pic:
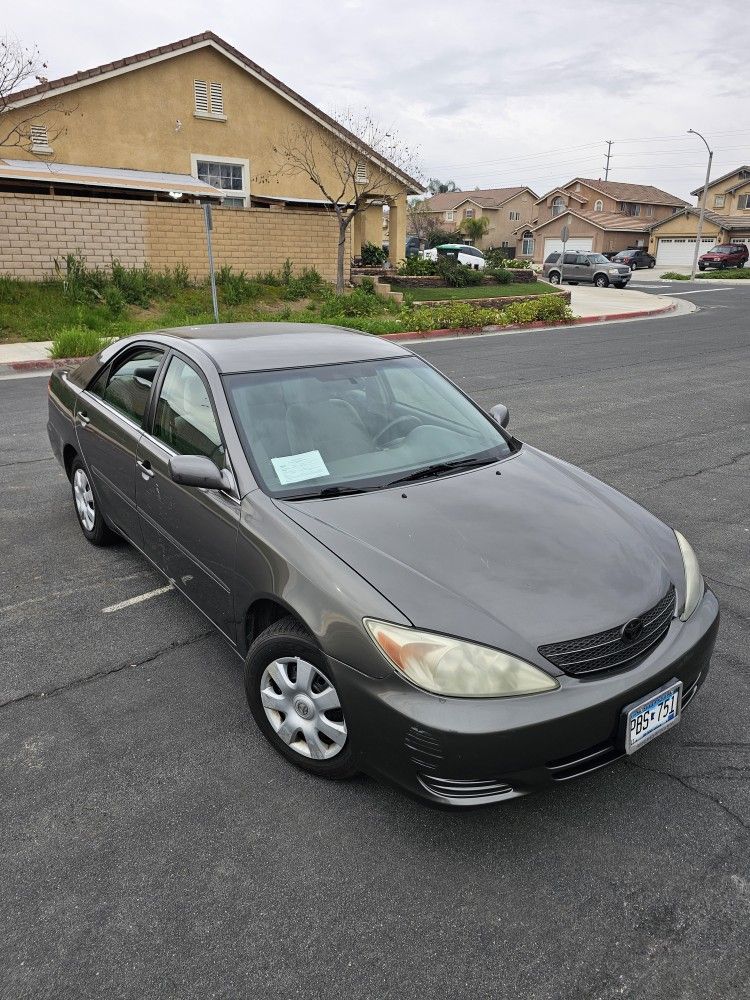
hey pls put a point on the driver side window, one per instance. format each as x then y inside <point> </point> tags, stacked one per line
<point>184,418</point>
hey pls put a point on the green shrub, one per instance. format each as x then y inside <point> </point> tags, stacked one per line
<point>498,274</point>
<point>439,236</point>
<point>306,284</point>
<point>77,342</point>
<point>457,275</point>
<point>236,288</point>
<point>731,272</point>
<point>516,264</point>
<point>675,276</point>
<point>114,301</point>
<point>373,255</point>
<point>367,285</point>
<point>356,303</point>
<point>10,289</point>
<point>420,266</point>
<point>455,315</point>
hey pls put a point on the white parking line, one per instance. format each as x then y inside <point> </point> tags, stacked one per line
<point>138,599</point>
<point>700,291</point>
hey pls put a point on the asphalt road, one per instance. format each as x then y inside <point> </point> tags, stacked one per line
<point>154,846</point>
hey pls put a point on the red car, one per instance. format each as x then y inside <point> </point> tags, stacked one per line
<point>724,255</point>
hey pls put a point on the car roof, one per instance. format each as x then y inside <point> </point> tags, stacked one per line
<point>244,347</point>
<point>455,246</point>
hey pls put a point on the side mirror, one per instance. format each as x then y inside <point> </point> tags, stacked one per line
<point>500,414</point>
<point>197,470</point>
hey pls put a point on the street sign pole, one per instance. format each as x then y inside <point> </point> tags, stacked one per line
<point>209,224</point>
<point>564,235</point>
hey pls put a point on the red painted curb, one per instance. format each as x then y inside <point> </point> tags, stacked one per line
<point>40,364</point>
<point>536,325</point>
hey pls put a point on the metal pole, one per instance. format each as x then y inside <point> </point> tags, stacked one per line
<point>609,154</point>
<point>208,222</point>
<point>699,233</point>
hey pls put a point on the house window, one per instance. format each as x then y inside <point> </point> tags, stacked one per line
<point>505,243</point>
<point>743,201</point>
<point>469,213</point>
<point>360,174</point>
<point>39,139</point>
<point>599,205</point>
<point>514,216</point>
<point>558,205</point>
<point>230,175</point>
<point>209,99</point>
<point>649,209</point>
<point>719,200</point>
<point>448,216</point>
<point>527,244</point>
<point>628,208</point>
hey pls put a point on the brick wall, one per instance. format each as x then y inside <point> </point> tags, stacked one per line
<point>35,230</point>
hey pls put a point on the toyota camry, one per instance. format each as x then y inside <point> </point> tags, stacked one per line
<point>415,592</point>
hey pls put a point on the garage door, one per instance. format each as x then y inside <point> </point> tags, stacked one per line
<point>578,244</point>
<point>679,251</point>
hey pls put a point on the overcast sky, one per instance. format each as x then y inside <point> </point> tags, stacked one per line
<point>492,93</point>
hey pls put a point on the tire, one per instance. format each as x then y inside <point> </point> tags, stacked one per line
<point>285,675</point>
<point>86,505</point>
<point>601,280</point>
<point>652,264</point>
<point>634,267</point>
<point>620,284</point>
<point>701,267</point>
<point>554,278</point>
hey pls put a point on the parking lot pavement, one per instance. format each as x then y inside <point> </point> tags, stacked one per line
<point>154,846</point>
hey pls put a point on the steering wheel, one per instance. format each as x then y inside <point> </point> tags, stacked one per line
<point>387,432</point>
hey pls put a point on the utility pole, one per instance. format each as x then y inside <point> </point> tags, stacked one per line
<point>699,233</point>
<point>609,155</point>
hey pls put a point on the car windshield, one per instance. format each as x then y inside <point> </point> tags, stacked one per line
<point>332,429</point>
<point>722,249</point>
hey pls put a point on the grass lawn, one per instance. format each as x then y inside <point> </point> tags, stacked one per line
<point>478,291</point>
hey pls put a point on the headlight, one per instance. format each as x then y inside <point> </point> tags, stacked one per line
<point>453,667</point>
<point>694,585</point>
<point>614,270</point>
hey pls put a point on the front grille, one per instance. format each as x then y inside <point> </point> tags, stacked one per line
<point>609,650</point>
<point>465,789</point>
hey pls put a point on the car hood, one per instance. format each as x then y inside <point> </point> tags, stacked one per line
<point>540,553</point>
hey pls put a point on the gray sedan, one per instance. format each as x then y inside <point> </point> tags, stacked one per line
<point>414,592</point>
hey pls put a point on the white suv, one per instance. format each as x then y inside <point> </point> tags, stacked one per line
<point>461,252</point>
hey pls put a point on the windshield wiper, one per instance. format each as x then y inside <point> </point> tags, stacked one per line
<point>441,468</point>
<point>327,492</point>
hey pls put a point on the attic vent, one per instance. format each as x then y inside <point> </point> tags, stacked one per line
<point>360,175</point>
<point>39,139</point>
<point>201,97</point>
<point>217,99</point>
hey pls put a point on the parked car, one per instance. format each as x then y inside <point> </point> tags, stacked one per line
<point>412,246</point>
<point>415,592</point>
<point>634,258</point>
<point>462,252</point>
<point>585,267</point>
<point>724,255</point>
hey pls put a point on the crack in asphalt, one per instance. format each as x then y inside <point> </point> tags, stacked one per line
<point>26,461</point>
<point>726,583</point>
<point>100,674</point>
<point>708,468</point>
<point>700,745</point>
<point>745,824</point>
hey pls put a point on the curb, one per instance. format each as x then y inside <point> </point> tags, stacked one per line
<point>536,325</point>
<point>18,367</point>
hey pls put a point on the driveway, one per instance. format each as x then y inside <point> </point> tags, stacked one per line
<point>154,846</point>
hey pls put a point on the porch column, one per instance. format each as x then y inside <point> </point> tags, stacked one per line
<point>357,227</point>
<point>397,228</point>
<point>373,225</point>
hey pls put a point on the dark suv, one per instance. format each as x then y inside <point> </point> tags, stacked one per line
<point>634,258</point>
<point>724,255</point>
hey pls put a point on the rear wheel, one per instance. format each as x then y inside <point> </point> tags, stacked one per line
<point>554,278</point>
<point>89,515</point>
<point>295,702</point>
<point>652,264</point>
<point>601,280</point>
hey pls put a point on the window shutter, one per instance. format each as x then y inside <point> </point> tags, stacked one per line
<point>201,97</point>
<point>217,99</point>
<point>361,172</point>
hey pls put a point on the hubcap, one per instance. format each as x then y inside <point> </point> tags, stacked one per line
<point>303,708</point>
<point>84,499</point>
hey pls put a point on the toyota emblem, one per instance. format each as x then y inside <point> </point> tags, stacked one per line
<point>631,630</point>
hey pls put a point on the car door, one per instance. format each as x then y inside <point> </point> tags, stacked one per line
<point>190,533</point>
<point>109,418</point>
<point>582,268</point>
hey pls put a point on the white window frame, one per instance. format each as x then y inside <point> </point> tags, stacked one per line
<point>558,205</point>
<point>234,160</point>
<point>527,246</point>
<point>448,215</point>
<point>468,213</point>
<point>39,139</point>
<point>743,202</point>
<point>720,200</point>
<point>210,93</point>
<point>649,209</point>
<point>598,205</point>
<point>514,216</point>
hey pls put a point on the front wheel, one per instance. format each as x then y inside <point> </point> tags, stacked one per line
<point>601,281</point>
<point>633,266</point>
<point>701,267</point>
<point>87,509</point>
<point>295,702</point>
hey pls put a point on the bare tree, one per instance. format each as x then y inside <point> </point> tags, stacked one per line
<point>349,168</point>
<point>436,186</point>
<point>18,65</point>
<point>422,221</point>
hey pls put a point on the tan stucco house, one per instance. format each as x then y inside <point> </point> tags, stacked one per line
<point>201,110</point>
<point>504,208</point>
<point>600,215</point>
<point>727,220</point>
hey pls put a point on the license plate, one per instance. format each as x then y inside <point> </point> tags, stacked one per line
<point>652,716</point>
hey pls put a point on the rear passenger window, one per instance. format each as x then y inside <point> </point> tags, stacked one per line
<point>184,417</point>
<point>126,383</point>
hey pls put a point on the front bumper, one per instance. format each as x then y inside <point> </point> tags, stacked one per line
<point>469,752</point>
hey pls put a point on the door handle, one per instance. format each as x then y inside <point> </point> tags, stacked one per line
<point>145,466</point>
<point>84,418</point>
